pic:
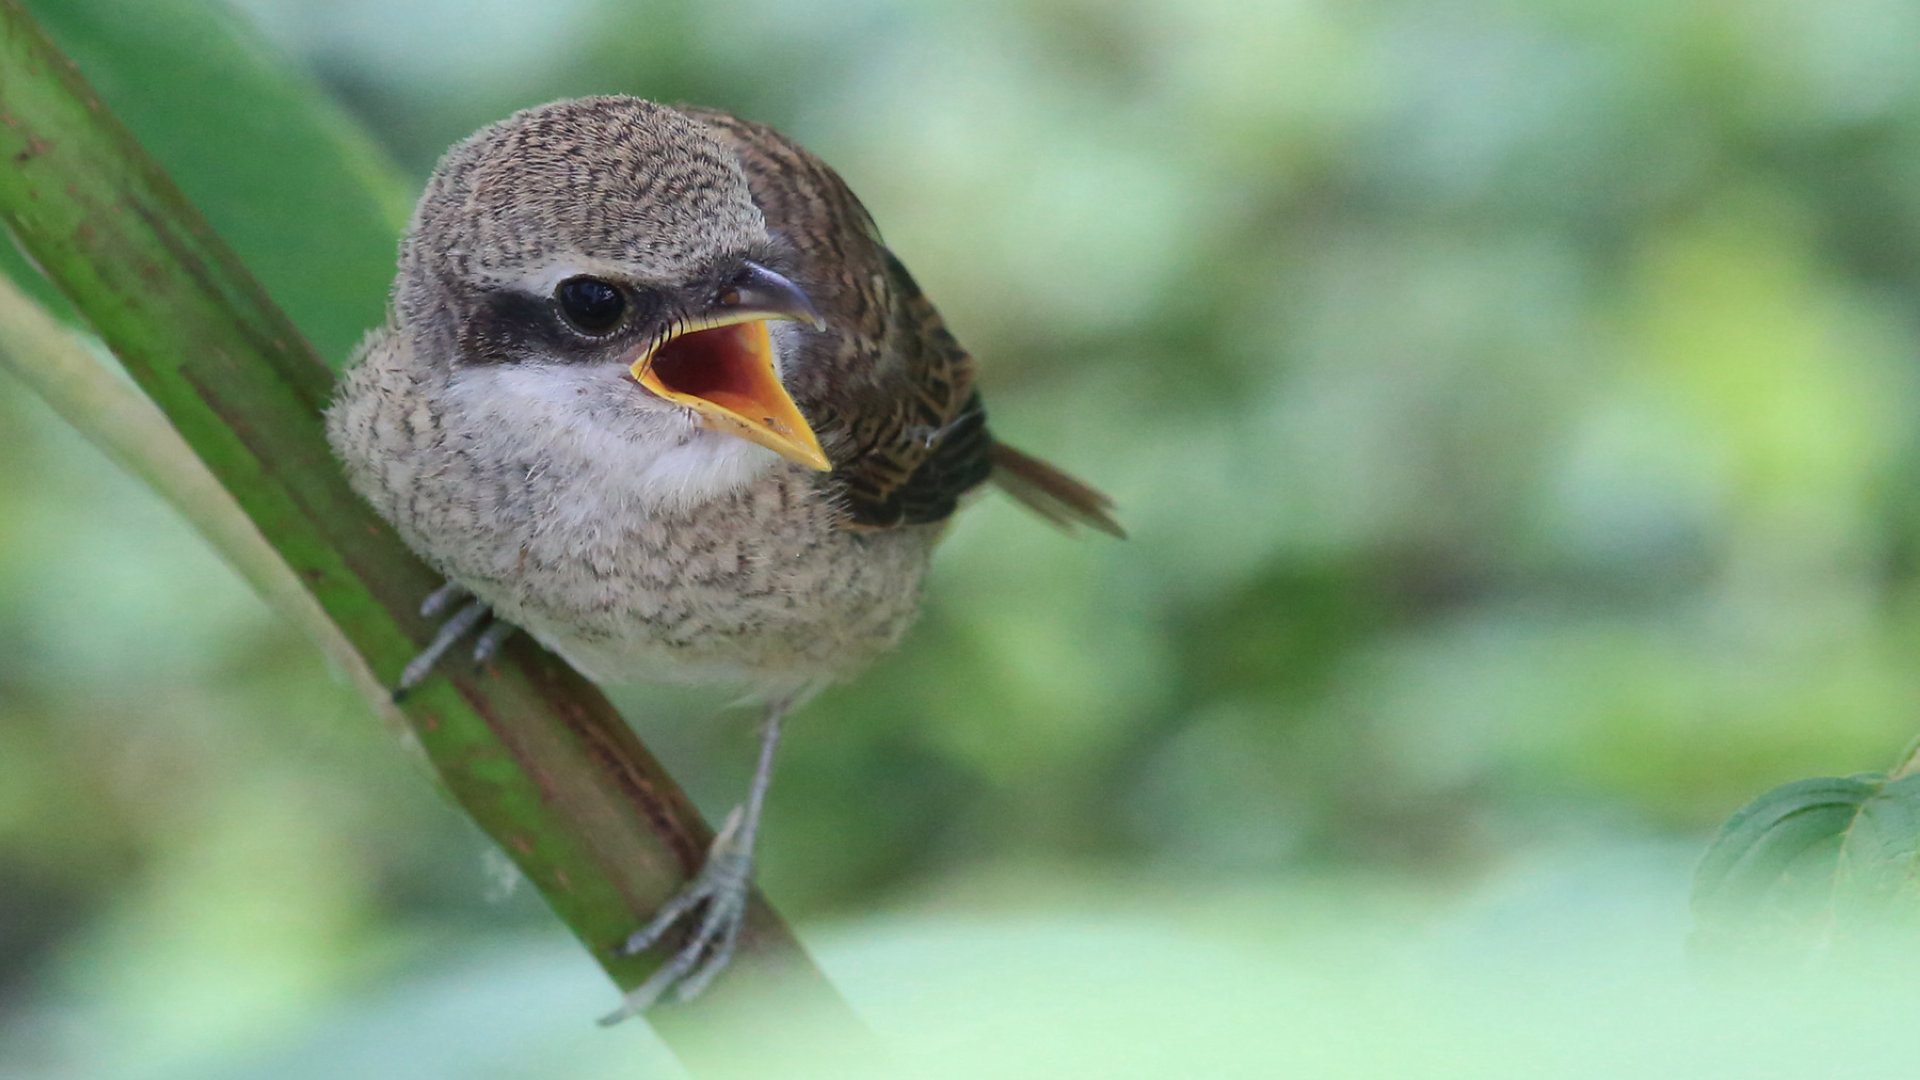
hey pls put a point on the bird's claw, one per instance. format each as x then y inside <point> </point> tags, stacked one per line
<point>490,640</point>
<point>458,625</point>
<point>440,599</point>
<point>719,893</point>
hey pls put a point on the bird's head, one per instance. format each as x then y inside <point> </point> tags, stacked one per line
<point>601,263</point>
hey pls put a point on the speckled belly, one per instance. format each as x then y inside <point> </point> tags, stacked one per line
<point>758,588</point>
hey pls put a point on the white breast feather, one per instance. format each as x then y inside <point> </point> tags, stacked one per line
<point>532,413</point>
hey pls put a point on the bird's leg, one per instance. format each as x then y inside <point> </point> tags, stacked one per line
<point>457,626</point>
<point>718,893</point>
<point>490,640</point>
<point>443,598</point>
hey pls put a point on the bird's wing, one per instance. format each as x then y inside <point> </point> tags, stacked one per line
<point>903,424</point>
<point>930,444</point>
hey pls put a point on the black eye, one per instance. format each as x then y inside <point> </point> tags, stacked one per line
<point>593,306</point>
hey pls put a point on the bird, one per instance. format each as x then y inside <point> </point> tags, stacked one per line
<point>652,389</point>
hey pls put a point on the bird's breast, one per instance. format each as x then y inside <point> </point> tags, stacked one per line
<point>755,587</point>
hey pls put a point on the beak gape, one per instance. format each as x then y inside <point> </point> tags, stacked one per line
<point>721,366</point>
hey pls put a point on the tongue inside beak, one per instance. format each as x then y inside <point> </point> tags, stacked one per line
<point>726,375</point>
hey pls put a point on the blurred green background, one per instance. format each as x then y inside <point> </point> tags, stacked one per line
<point>1511,404</point>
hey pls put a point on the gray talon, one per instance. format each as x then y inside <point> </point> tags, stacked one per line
<point>487,645</point>
<point>451,631</point>
<point>442,598</point>
<point>718,892</point>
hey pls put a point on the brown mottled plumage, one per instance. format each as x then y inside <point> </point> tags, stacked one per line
<point>914,429</point>
<point>583,406</point>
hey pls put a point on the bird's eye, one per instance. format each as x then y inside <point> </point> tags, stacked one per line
<point>593,306</point>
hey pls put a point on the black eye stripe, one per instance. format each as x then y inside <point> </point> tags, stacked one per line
<point>591,305</point>
<point>511,325</point>
<point>507,327</point>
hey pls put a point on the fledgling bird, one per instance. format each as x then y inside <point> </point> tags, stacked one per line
<point>651,388</point>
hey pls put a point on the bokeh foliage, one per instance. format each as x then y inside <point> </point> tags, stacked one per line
<point>1510,403</point>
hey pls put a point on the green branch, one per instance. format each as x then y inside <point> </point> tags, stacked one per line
<point>531,751</point>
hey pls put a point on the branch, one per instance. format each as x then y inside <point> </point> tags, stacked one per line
<point>531,751</point>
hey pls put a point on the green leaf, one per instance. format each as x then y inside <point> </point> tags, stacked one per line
<point>1810,869</point>
<point>300,193</point>
<point>1877,882</point>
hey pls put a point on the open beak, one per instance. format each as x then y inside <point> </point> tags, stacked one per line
<point>720,365</point>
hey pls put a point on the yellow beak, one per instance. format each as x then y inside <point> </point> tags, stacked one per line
<point>723,371</point>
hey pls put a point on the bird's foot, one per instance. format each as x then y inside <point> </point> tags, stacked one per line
<point>462,622</point>
<point>719,894</point>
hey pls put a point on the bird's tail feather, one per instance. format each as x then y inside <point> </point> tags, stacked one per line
<point>1051,493</point>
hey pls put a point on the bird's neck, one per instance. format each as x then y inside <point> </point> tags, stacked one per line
<point>531,425</point>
